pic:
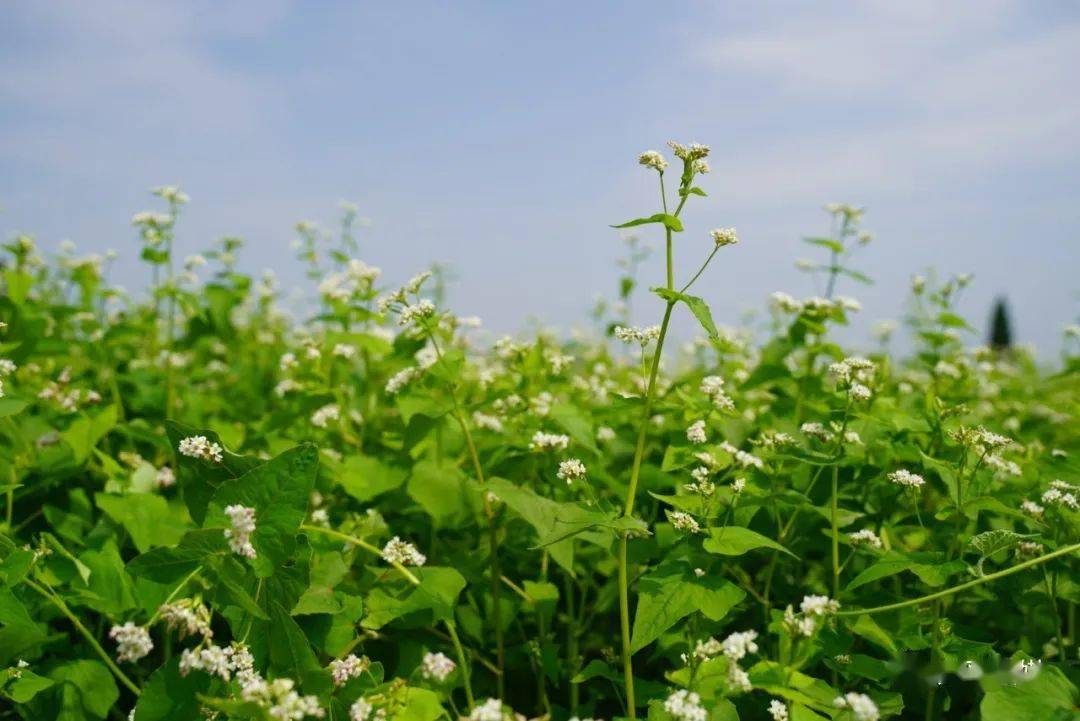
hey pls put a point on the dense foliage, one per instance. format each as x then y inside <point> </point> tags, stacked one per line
<point>212,509</point>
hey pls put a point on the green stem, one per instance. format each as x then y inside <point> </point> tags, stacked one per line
<point>63,608</point>
<point>834,509</point>
<point>964,586</point>
<point>466,669</point>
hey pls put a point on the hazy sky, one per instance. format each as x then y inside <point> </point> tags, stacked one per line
<point>502,138</point>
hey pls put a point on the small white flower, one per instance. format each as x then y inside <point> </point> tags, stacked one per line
<point>738,486</point>
<point>360,710</point>
<point>739,644</point>
<point>437,667</point>
<point>490,710</point>
<point>860,705</point>
<point>403,552</point>
<point>490,422</point>
<point>653,159</point>
<point>322,417</point>
<point>571,470</point>
<point>696,432</point>
<point>906,478</point>
<point>344,350</point>
<point>542,441</point>
<point>724,236</point>
<point>200,447</point>
<point>866,538</point>
<point>401,379</point>
<point>685,705</point>
<point>349,667</point>
<point>778,710</point>
<point>165,477</point>
<point>684,522</point>
<point>242,519</point>
<point>644,336</point>
<point>818,605</point>
<point>132,642</point>
<point>605,434</point>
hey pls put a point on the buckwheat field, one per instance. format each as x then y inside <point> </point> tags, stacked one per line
<point>370,512</point>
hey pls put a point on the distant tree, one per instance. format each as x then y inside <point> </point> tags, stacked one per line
<point>1000,326</point>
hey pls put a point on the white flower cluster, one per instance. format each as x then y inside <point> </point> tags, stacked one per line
<point>571,470</point>
<point>242,519</point>
<point>356,278</point>
<point>853,374</point>
<point>684,522</point>
<point>164,478</point>
<point>862,707</point>
<point>696,433</point>
<point>653,159</point>
<point>421,310</point>
<point>902,477</point>
<point>403,552</point>
<point>188,615</point>
<point>784,303</point>
<point>689,153</point>
<point>778,710</point>
<point>685,705</point>
<point>487,421</point>
<point>200,447</point>
<point>737,645</point>
<point>341,670</point>
<point>724,236</point>
<point>132,642</point>
<point>542,441</point>
<point>1032,509</point>
<point>219,661</point>
<point>490,710</point>
<point>361,711</point>
<point>742,458</point>
<point>436,667</point>
<point>813,610</point>
<point>322,417</point>
<point>281,700</point>
<point>979,438</point>
<point>713,387</point>
<point>644,336</point>
<point>401,379</point>
<point>1061,494</point>
<point>864,538</point>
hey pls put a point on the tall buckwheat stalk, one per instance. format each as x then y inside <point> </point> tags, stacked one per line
<point>694,164</point>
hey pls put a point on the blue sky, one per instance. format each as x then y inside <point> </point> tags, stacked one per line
<point>502,138</point>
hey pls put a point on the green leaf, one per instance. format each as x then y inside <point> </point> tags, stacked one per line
<point>697,306</point>
<point>86,431</point>
<point>672,592</point>
<point>146,516</point>
<point>26,686</point>
<point>365,477</point>
<point>279,491</point>
<point>438,591</point>
<point>1048,696</point>
<point>170,695</point>
<point>735,541</point>
<point>442,491</point>
<point>833,245</point>
<point>93,682</point>
<point>1001,539</point>
<point>169,565</point>
<point>421,705</point>
<point>290,651</point>
<point>669,221</point>
<point>576,424</point>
